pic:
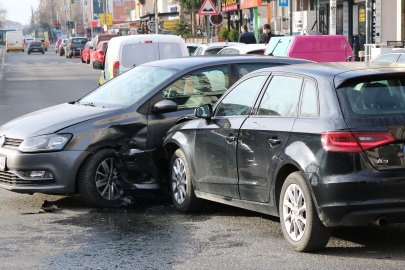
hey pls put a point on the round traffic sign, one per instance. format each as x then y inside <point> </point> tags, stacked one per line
<point>216,19</point>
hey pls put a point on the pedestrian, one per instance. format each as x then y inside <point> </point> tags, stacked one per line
<point>267,34</point>
<point>246,37</point>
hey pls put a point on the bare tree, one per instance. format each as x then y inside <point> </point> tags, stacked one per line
<point>3,14</point>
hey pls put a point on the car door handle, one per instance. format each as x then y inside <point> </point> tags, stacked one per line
<point>274,142</point>
<point>231,138</point>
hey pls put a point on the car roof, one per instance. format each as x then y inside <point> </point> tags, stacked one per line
<point>183,63</point>
<point>218,44</point>
<point>247,47</point>
<point>339,72</point>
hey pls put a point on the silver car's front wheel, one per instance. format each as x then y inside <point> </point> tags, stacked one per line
<point>294,212</point>
<point>106,180</point>
<point>179,183</point>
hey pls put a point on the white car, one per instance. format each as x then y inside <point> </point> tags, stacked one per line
<point>244,49</point>
<point>192,47</point>
<point>212,48</point>
<point>28,40</point>
<point>124,53</point>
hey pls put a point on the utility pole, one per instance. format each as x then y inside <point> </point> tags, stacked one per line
<point>92,17</point>
<point>291,13</point>
<point>368,22</point>
<point>156,18</point>
<point>105,17</point>
<point>66,26</point>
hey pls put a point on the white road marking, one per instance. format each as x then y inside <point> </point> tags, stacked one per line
<point>52,79</point>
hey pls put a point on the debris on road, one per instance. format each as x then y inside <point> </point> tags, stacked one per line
<point>47,207</point>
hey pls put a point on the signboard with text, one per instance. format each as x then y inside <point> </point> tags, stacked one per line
<point>109,19</point>
<point>250,3</point>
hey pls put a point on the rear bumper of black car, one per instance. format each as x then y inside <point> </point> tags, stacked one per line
<point>359,198</point>
<point>39,50</point>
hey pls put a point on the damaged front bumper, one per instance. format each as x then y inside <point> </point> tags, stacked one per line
<point>141,170</point>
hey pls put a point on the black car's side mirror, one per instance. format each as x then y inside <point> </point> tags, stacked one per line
<point>204,111</point>
<point>97,65</point>
<point>165,106</point>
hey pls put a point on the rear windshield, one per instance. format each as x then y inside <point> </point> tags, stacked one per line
<point>79,40</point>
<point>104,38</point>
<point>212,51</point>
<point>35,43</point>
<point>373,98</point>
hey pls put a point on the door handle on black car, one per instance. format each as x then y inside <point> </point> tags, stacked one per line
<point>274,142</point>
<point>231,138</point>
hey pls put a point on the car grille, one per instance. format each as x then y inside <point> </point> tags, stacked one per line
<point>9,178</point>
<point>12,143</point>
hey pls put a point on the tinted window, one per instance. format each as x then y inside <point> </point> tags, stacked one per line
<point>309,101</point>
<point>260,52</point>
<point>169,50</point>
<point>191,50</point>
<point>233,51</point>
<point>138,54</point>
<point>79,40</point>
<point>247,68</point>
<point>281,97</point>
<point>226,51</point>
<point>104,38</point>
<point>377,97</point>
<point>401,58</point>
<point>129,87</point>
<point>212,51</point>
<point>386,58</point>
<point>198,87</point>
<point>239,100</point>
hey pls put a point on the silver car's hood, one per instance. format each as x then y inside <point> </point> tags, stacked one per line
<point>50,120</point>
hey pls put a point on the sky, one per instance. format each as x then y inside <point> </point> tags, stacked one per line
<point>19,10</point>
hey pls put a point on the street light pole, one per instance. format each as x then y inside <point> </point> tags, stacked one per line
<point>66,27</point>
<point>105,17</point>
<point>291,11</point>
<point>156,18</point>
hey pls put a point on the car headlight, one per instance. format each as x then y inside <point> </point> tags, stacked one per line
<point>51,142</point>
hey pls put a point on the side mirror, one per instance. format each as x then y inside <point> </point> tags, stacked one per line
<point>165,106</point>
<point>204,111</point>
<point>97,65</point>
<point>91,48</point>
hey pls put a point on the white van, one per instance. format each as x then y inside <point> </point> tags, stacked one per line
<point>14,41</point>
<point>124,53</point>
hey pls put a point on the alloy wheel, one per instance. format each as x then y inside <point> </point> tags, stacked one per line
<point>294,212</point>
<point>179,181</point>
<point>106,180</point>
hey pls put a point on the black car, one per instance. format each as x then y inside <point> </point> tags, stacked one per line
<point>71,147</point>
<point>320,145</point>
<point>74,46</point>
<point>35,46</point>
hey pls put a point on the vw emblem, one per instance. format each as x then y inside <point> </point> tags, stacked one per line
<point>2,140</point>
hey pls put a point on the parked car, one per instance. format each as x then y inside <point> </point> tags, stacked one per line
<point>35,46</point>
<point>99,38</point>
<point>244,49</point>
<point>14,41</point>
<point>74,46</point>
<point>395,56</point>
<point>85,57</point>
<point>98,54</point>
<point>62,47</point>
<point>124,53</point>
<point>191,47</point>
<point>212,48</point>
<point>69,148</point>
<point>326,151</point>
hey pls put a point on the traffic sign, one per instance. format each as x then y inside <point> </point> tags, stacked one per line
<point>58,34</point>
<point>216,19</point>
<point>208,8</point>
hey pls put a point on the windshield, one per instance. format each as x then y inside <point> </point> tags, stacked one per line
<point>129,87</point>
<point>373,98</point>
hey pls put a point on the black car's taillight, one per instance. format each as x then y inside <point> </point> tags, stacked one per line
<point>355,142</point>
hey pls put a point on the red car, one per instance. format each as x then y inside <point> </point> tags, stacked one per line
<point>86,53</point>
<point>99,52</point>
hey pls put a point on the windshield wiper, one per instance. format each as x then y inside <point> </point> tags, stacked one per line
<point>90,104</point>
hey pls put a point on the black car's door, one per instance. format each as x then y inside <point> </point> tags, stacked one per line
<point>220,136</point>
<point>196,88</point>
<point>264,134</point>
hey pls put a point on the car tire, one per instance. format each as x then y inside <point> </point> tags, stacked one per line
<point>81,59</point>
<point>43,52</point>
<point>88,61</point>
<point>23,51</point>
<point>46,49</point>
<point>90,172</point>
<point>29,52</point>
<point>7,50</point>
<point>314,235</point>
<point>181,187</point>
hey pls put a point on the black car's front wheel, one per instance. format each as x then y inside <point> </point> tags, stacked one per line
<point>300,223</point>
<point>182,190</point>
<point>99,180</point>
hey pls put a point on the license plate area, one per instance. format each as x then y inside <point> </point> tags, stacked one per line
<point>3,163</point>
<point>35,50</point>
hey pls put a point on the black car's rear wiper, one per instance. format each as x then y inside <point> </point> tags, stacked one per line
<point>90,104</point>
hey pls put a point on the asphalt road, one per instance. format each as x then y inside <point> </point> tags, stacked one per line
<point>152,234</point>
